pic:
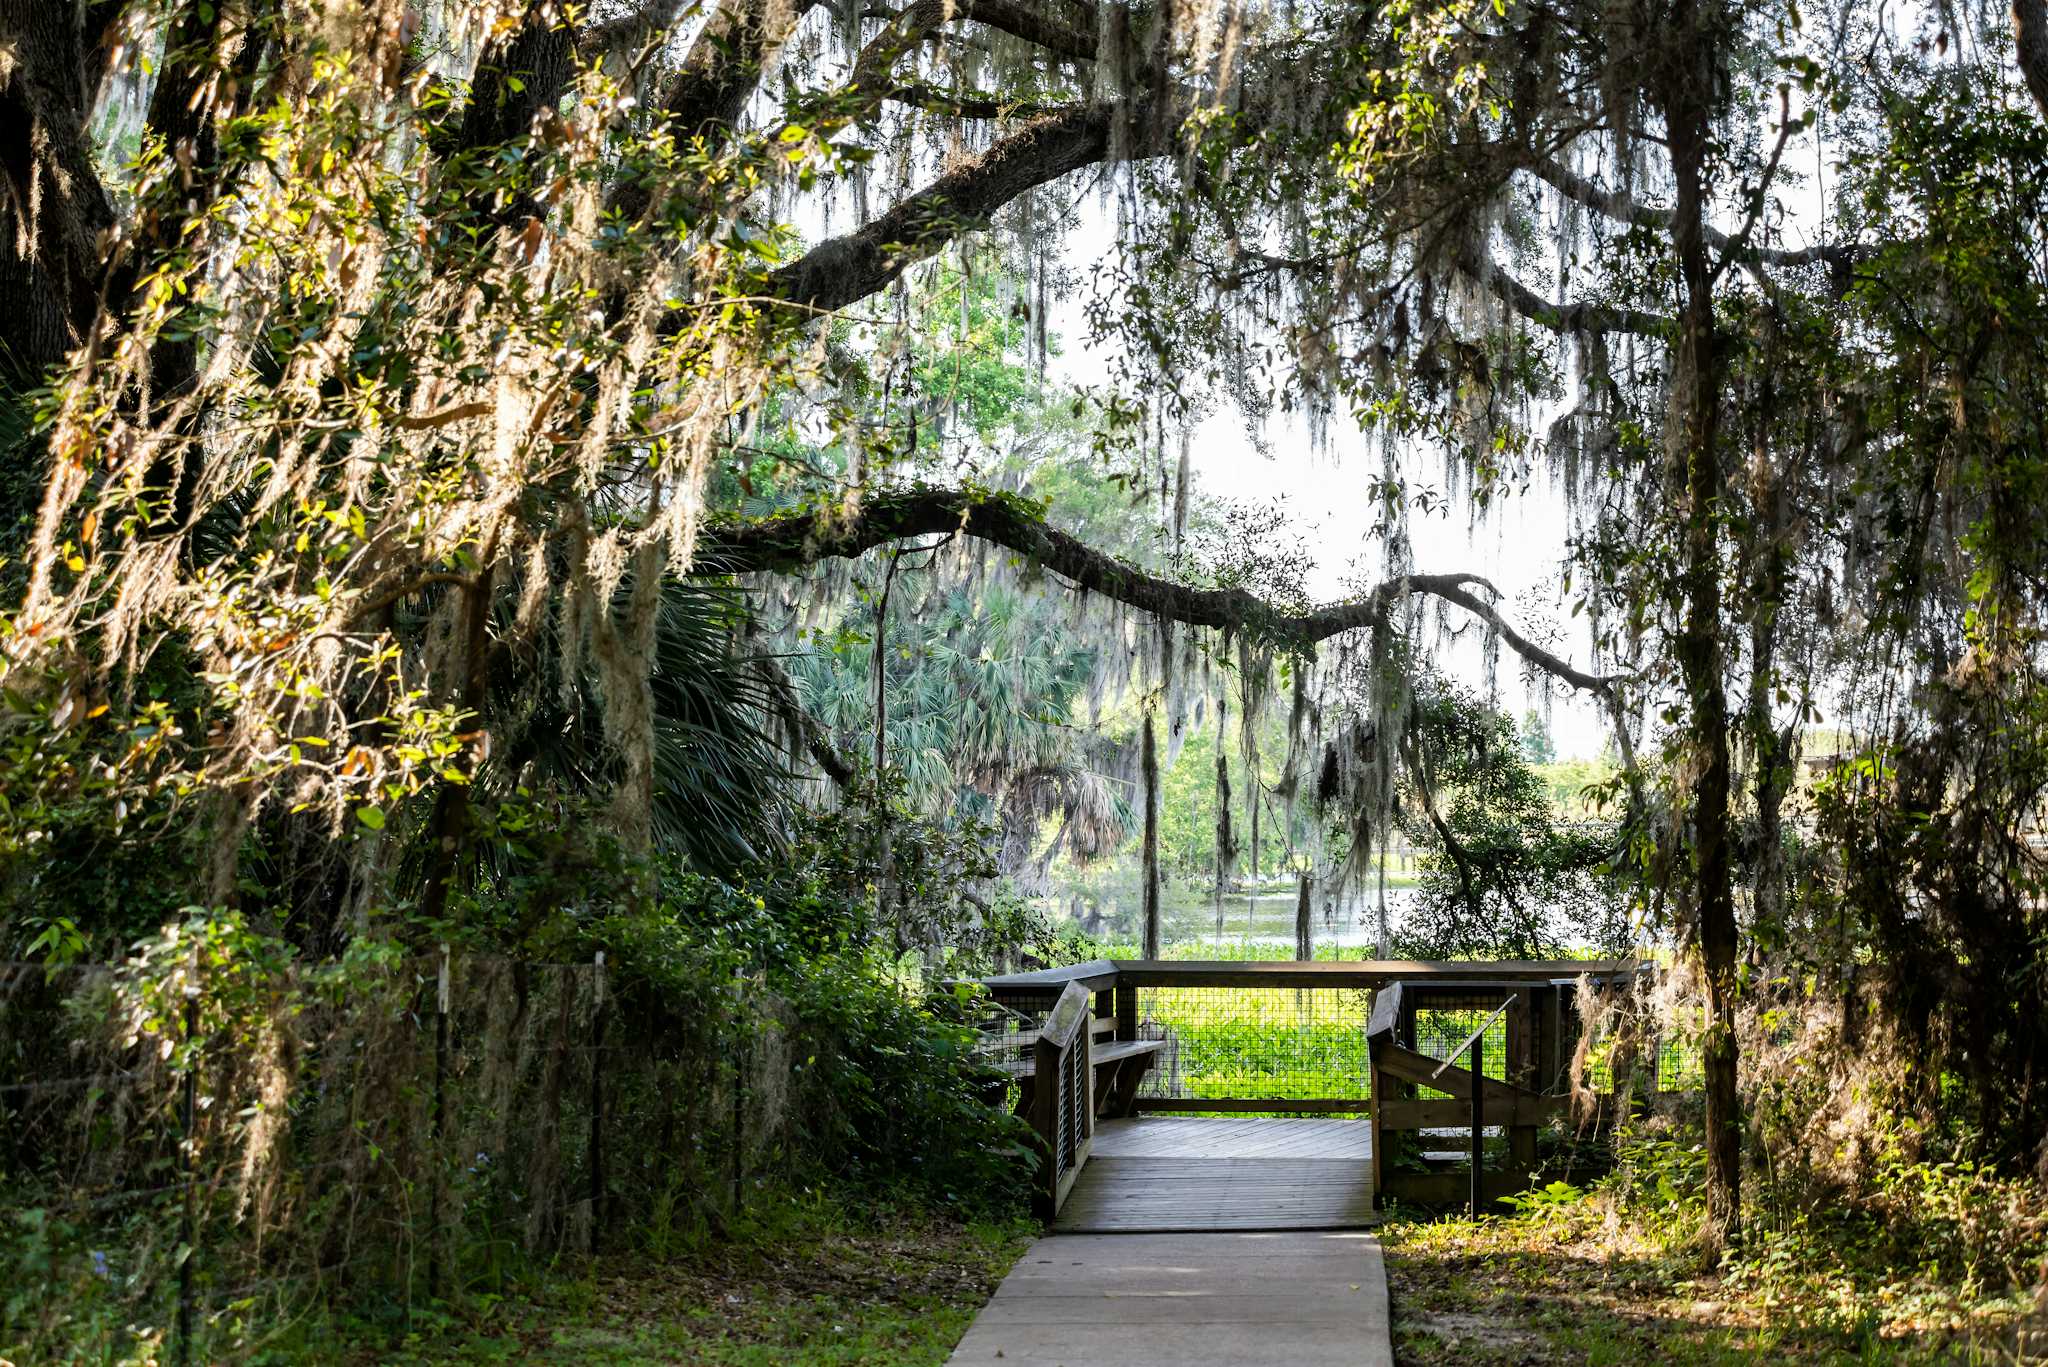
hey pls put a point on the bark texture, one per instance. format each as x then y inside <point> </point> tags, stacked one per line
<point>1683,87</point>
<point>54,213</point>
<point>1149,767</point>
<point>2030,37</point>
<point>793,541</point>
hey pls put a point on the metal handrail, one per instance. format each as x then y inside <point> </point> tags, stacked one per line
<point>1476,1043</point>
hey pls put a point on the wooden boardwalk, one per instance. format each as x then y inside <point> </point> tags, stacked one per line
<point>1155,1176</point>
<point>1288,1299</point>
<point>1174,1137</point>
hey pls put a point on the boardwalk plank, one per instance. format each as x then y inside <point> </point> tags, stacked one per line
<point>1139,1194</point>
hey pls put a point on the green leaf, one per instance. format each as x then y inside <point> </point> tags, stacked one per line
<point>373,817</point>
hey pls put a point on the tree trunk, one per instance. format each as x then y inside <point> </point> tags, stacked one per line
<point>1683,88</point>
<point>1251,894</point>
<point>53,209</point>
<point>1303,948</point>
<point>1772,753</point>
<point>2030,37</point>
<point>1149,763</point>
<point>885,872</point>
<point>451,827</point>
<point>1224,854</point>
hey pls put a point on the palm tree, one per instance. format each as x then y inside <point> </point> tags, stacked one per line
<point>982,696</point>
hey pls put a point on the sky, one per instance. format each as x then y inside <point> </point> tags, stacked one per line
<point>1519,547</point>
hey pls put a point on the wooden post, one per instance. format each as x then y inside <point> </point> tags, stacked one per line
<point>1521,1070</point>
<point>1126,1002</point>
<point>1559,1057</point>
<point>1387,1006</point>
<point>1478,1061</point>
<point>1066,1032</point>
<point>1045,1120</point>
<point>1404,1035</point>
<point>1377,1088</point>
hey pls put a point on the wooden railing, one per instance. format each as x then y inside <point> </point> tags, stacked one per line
<point>1517,1104</point>
<point>1064,1093</point>
<point>1063,1110</point>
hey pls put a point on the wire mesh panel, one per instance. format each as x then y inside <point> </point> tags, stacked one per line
<point>1008,1029</point>
<point>1679,1063</point>
<point>1257,1044</point>
<point>1446,1024</point>
<point>1679,1067</point>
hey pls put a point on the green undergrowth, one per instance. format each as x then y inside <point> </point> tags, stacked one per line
<point>1588,1279</point>
<point>799,1283</point>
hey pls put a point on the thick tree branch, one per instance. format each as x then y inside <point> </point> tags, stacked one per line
<point>1036,25</point>
<point>969,105</point>
<point>624,33</point>
<point>1566,318</point>
<point>843,270</point>
<point>736,46</point>
<point>1737,248</point>
<point>794,541</point>
<point>520,75</point>
<point>802,725</point>
<point>53,208</point>
<point>1624,208</point>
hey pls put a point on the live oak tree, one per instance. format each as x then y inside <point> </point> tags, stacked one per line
<point>405,341</point>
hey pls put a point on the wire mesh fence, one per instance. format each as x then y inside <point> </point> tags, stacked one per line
<point>177,1174</point>
<point>1679,1067</point>
<point>1440,1030</point>
<point>1299,1044</point>
<point>1247,1044</point>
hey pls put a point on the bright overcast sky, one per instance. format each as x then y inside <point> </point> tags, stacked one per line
<point>1519,547</point>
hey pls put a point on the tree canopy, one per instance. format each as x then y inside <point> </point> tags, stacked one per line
<point>395,390</point>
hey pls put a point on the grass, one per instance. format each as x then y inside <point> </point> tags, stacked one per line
<point>1583,1285</point>
<point>897,1289</point>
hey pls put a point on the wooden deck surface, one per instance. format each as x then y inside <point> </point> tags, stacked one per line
<point>1188,1300</point>
<point>1161,1137</point>
<point>1152,1175</point>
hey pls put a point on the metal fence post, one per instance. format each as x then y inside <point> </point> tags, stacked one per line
<point>597,1107</point>
<point>435,1157</point>
<point>190,1252</point>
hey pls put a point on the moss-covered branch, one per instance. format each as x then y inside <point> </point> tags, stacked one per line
<point>793,541</point>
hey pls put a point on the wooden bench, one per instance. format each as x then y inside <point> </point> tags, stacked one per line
<point>1118,1066</point>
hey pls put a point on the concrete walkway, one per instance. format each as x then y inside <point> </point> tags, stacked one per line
<point>1297,1297</point>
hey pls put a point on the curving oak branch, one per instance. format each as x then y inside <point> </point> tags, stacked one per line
<point>1625,208</point>
<point>846,269</point>
<point>1577,317</point>
<point>792,542</point>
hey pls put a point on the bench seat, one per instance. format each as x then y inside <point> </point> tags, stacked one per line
<point>1118,1065</point>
